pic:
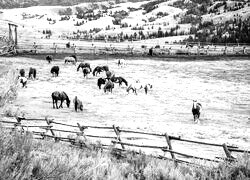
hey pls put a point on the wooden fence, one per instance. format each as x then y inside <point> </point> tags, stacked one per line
<point>78,137</point>
<point>135,48</point>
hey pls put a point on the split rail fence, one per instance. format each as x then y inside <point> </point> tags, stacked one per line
<point>127,48</point>
<point>78,137</point>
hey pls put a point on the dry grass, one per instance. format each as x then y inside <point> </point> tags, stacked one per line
<point>8,86</point>
<point>22,157</point>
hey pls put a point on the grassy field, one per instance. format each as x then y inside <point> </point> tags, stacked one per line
<point>22,157</point>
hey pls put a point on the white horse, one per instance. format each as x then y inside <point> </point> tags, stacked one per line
<point>72,59</point>
<point>138,85</point>
<point>122,62</point>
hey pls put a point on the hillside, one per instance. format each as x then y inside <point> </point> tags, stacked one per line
<point>187,20</point>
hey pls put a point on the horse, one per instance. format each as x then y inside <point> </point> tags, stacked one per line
<point>56,96</point>
<point>100,81</point>
<point>55,70</point>
<point>78,104</point>
<point>49,58</point>
<point>119,80</point>
<point>85,71</point>
<point>137,86</point>
<point>121,62</point>
<point>196,110</point>
<point>32,73</point>
<point>108,86</point>
<point>99,69</point>
<point>23,81</point>
<point>84,65</point>
<point>147,87</point>
<point>71,58</point>
<point>22,72</point>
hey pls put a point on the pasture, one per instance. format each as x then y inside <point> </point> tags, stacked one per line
<point>222,87</point>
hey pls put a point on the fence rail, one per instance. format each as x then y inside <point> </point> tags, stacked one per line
<point>126,48</point>
<point>115,140</point>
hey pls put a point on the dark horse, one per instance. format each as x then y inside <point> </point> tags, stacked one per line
<point>22,72</point>
<point>196,110</point>
<point>78,104</point>
<point>32,73</point>
<point>85,71</point>
<point>119,80</point>
<point>49,58</point>
<point>100,81</point>
<point>55,70</point>
<point>84,65</point>
<point>108,86</point>
<point>60,96</point>
<point>99,69</point>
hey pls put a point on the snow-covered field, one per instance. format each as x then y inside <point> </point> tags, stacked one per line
<point>221,86</point>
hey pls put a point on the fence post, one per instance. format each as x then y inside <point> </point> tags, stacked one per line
<point>19,119</point>
<point>227,152</point>
<point>81,128</point>
<point>117,132</point>
<point>170,147</point>
<point>49,122</point>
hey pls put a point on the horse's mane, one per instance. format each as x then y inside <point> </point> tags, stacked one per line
<point>67,97</point>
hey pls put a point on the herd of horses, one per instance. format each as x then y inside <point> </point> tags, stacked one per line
<point>107,83</point>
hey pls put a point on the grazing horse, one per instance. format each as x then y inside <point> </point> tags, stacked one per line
<point>121,62</point>
<point>22,72</point>
<point>85,71</point>
<point>196,110</point>
<point>100,81</point>
<point>60,96</point>
<point>137,86</point>
<point>72,59</point>
<point>54,71</point>
<point>99,69</point>
<point>147,87</point>
<point>108,86</point>
<point>119,80</point>
<point>84,65</point>
<point>77,104</point>
<point>49,58</point>
<point>32,73</point>
<point>23,81</point>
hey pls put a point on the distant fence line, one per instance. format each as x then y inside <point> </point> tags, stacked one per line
<point>117,139</point>
<point>137,48</point>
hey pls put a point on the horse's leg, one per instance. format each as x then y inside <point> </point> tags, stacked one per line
<point>53,101</point>
<point>61,104</point>
<point>146,89</point>
<point>135,92</point>
<point>56,104</point>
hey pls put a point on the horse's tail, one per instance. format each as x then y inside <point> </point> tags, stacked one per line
<point>34,74</point>
<point>94,72</point>
<point>78,67</point>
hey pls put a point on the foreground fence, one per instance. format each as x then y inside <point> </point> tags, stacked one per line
<point>77,135</point>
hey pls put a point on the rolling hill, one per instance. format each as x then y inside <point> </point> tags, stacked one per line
<point>174,20</point>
